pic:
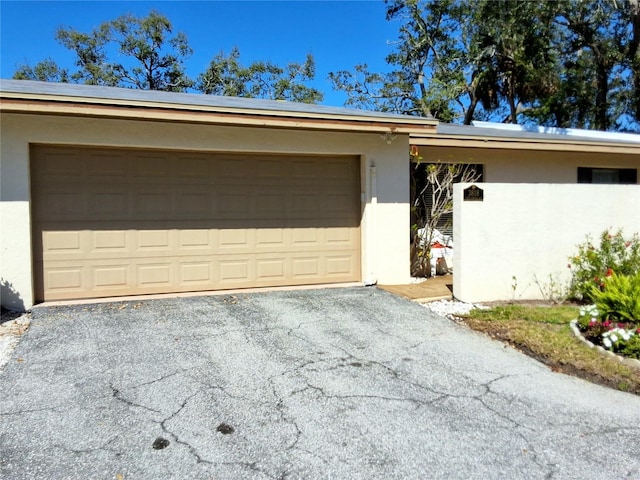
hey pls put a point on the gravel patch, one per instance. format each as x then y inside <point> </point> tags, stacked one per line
<point>452,309</point>
<point>10,333</point>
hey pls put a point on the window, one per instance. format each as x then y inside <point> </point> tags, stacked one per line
<point>608,175</point>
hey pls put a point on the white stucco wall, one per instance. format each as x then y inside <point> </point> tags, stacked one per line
<point>385,219</point>
<point>528,231</point>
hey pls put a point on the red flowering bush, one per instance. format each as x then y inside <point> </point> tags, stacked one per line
<point>593,264</point>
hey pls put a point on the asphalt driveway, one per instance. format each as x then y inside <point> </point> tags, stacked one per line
<point>337,383</point>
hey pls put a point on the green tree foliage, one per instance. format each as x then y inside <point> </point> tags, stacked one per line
<point>151,57</point>
<point>91,56</point>
<point>160,58</point>
<point>144,53</point>
<point>599,69</point>
<point>227,76</point>
<point>513,59</point>
<point>566,63</point>
<point>428,64</point>
<point>45,71</point>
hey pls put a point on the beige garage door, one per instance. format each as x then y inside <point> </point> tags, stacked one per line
<point>111,222</point>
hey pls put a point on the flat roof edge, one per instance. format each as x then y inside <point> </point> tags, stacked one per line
<point>427,138</point>
<point>28,91</point>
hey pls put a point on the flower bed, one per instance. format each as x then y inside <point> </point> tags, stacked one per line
<point>618,337</point>
<point>608,276</point>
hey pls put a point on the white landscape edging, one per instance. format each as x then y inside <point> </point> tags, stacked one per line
<point>631,362</point>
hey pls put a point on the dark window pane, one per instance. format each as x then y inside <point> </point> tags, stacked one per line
<point>608,175</point>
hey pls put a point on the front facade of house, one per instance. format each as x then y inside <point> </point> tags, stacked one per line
<point>109,192</point>
<point>105,197</point>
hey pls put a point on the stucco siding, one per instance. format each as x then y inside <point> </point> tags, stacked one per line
<point>516,242</point>
<point>530,166</point>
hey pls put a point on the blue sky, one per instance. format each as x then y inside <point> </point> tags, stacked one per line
<point>339,34</point>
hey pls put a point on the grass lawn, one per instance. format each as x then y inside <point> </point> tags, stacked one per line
<point>543,332</point>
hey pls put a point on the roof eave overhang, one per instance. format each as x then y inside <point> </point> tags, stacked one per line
<point>203,114</point>
<point>562,145</point>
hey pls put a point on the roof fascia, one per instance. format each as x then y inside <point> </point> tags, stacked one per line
<point>82,106</point>
<point>510,143</point>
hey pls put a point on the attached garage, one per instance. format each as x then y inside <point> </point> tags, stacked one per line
<point>111,221</point>
<point>109,192</point>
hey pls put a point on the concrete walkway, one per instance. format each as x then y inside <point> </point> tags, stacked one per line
<point>343,383</point>
<point>435,288</point>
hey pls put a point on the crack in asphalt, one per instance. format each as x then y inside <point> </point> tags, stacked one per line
<point>326,365</point>
<point>253,466</point>
<point>440,395</point>
<point>192,450</point>
<point>351,361</point>
<point>615,429</point>
<point>83,451</point>
<point>323,393</point>
<point>159,379</point>
<point>481,399</point>
<point>56,409</point>
<point>280,407</point>
<point>117,394</point>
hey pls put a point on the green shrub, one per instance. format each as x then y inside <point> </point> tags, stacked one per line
<point>630,348</point>
<point>592,264</point>
<point>618,298</point>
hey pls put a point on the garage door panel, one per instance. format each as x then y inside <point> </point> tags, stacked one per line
<point>108,201</point>
<point>271,205</point>
<point>196,273</point>
<point>305,205</point>
<point>234,270</point>
<point>190,240</point>
<point>268,171</point>
<point>234,203</point>
<point>66,278</point>
<point>111,222</point>
<point>340,237</point>
<point>308,169</point>
<point>307,237</point>
<point>157,274</point>
<point>153,242</point>
<point>270,238</point>
<point>193,201</point>
<point>338,171</point>
<point>111,276</point>
<point>339,265</point>
<point>63,241</point>
<point>271,269</point>
<point>233,170</point>
<point>191,167</point>
<point>306,267</point>
<point>60,165</point>
<point>332,206</point>
<point>58,203</point>
<point>110,241</point>
<point>108,166</point>
<point>151,168</point>
<point>153,202</point>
